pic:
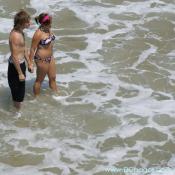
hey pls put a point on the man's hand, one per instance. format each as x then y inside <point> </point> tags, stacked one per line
<point>21,77</point>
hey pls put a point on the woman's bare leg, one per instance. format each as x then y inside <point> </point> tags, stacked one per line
<point>52,76</point>
<point>42,69</point>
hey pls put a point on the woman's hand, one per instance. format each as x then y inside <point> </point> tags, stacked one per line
<point>30,68</point>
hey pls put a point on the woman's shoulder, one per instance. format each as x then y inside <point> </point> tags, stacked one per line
<point>37,34</point>
<point>38,31</point>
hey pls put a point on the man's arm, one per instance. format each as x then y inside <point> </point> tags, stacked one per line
<point>16,40</point>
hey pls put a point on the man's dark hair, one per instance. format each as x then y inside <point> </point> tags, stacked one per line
<point>20,19</point>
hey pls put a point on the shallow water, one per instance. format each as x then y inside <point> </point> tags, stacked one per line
<point>115,71</point>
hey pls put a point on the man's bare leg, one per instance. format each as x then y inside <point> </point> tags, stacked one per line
<point>17,105</point>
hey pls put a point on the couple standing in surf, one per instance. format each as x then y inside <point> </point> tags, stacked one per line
<point>41,52</point>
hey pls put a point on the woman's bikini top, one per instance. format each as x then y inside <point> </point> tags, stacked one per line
<point>47,41</point>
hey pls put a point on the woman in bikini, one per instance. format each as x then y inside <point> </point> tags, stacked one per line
<point>42,52</point>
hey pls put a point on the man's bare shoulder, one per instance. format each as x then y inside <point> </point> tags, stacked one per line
<point>15,37</point>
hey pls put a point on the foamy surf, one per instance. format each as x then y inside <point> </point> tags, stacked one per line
<point>115,71</point>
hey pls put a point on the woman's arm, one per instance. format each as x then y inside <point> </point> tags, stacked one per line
<point>34,46</point>
<point>27,55</point>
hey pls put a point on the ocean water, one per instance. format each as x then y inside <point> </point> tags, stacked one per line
<point>115,71</point>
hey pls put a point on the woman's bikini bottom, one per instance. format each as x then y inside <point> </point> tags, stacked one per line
<point>47,59</point>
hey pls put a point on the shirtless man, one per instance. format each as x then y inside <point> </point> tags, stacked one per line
<point>19,53</point>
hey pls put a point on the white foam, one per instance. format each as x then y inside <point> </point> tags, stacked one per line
<point>6,25</point>
<point>144,55</point>
<point>3,71</point>
<point>8,170</point>
<point>171,54</point>
<point>41,7</point>
<point>96,71</point>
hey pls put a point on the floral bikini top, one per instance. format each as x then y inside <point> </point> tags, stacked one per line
<point>47,41</point>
